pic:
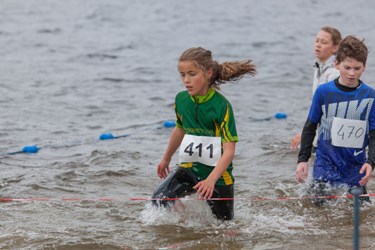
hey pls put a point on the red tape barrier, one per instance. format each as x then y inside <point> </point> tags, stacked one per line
<point>349,196</point>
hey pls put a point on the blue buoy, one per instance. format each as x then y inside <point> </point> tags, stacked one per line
<point>281,115</point>
<point>169,124</point>
<point>106,136</point>
<point>30,149</point>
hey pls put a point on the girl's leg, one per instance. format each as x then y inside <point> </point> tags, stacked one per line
<point>178,184</point>
<point>223,209</point>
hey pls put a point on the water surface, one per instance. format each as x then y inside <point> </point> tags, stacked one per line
<point>71,70</point>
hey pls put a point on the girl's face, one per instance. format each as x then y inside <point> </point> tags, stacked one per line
<point>196,81</point>
<point>350,71</point>
<point>324,47</point>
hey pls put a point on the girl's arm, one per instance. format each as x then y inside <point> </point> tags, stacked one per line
<point>174,143</point>
<point>206,187</point>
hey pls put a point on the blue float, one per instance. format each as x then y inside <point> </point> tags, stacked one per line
<point>106,136</point>
<point>32,149</point>
<point>280,115</point>
<point>169,124</point>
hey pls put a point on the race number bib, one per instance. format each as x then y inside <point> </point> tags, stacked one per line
<point>203,149</point>
<point>348,133</point>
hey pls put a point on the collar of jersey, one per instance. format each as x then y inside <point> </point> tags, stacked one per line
<point>203,98</point>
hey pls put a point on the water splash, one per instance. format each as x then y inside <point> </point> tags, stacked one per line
<point>187,213</point>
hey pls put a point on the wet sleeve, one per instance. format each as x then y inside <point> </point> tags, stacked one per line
<point>316,112</point>
<point>228,125</point>
<point>307,138</point>
<point>371,149</point>
<point>178,117</point>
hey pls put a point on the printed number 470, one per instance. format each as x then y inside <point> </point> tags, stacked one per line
<point>357,132</point>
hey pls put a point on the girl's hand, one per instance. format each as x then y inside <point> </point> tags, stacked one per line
<point>205,188</point>
<point>163,169</point>
<point>296,140</point>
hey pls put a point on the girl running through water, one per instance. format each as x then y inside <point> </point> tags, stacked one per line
<point>205,132</point>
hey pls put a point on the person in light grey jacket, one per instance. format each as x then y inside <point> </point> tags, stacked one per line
<point>324,72</point>
<point>326,44</point>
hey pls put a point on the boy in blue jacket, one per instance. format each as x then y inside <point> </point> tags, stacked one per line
<point>344,110</point>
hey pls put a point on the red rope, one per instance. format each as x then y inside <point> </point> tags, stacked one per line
<point>349,196</point>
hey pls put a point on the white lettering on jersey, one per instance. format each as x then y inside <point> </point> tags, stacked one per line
<point>348,109</point>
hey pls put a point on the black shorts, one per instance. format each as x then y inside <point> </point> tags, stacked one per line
<point>181,182</point>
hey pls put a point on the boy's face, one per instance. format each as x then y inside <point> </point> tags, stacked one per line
<point>350,71</point>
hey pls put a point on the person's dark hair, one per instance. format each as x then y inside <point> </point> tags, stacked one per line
<point>335,34</point>
<point>222,73</point>
<point>352,47</point>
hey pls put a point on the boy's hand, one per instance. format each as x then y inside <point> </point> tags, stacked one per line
<point>301,172</point>
<point>366,167</point>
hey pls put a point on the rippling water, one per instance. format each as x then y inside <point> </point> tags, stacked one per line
<point>72,70</point>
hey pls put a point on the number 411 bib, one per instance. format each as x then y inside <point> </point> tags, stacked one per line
<point>203,149</point>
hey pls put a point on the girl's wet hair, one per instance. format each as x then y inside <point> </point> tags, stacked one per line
<point>354,48</point>
<point>222,73</point>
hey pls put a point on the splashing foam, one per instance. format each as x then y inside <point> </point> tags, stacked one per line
<point>188,213</point>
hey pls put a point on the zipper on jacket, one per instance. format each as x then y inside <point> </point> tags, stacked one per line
<point>196,109</point>
<point>196,112</point>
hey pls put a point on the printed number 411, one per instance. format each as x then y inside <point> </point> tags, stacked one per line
<point>190,149</point>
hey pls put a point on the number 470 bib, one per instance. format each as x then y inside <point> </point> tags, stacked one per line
<point>203,149</point>
<point>348,133</point>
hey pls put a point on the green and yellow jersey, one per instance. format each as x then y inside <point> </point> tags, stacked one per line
<point>210,116</point>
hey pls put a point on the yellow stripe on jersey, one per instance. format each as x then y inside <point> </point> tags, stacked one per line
<point>227,179</point>
<point>186,165</point>
<point>224,127</point>
<point>217,129</point>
